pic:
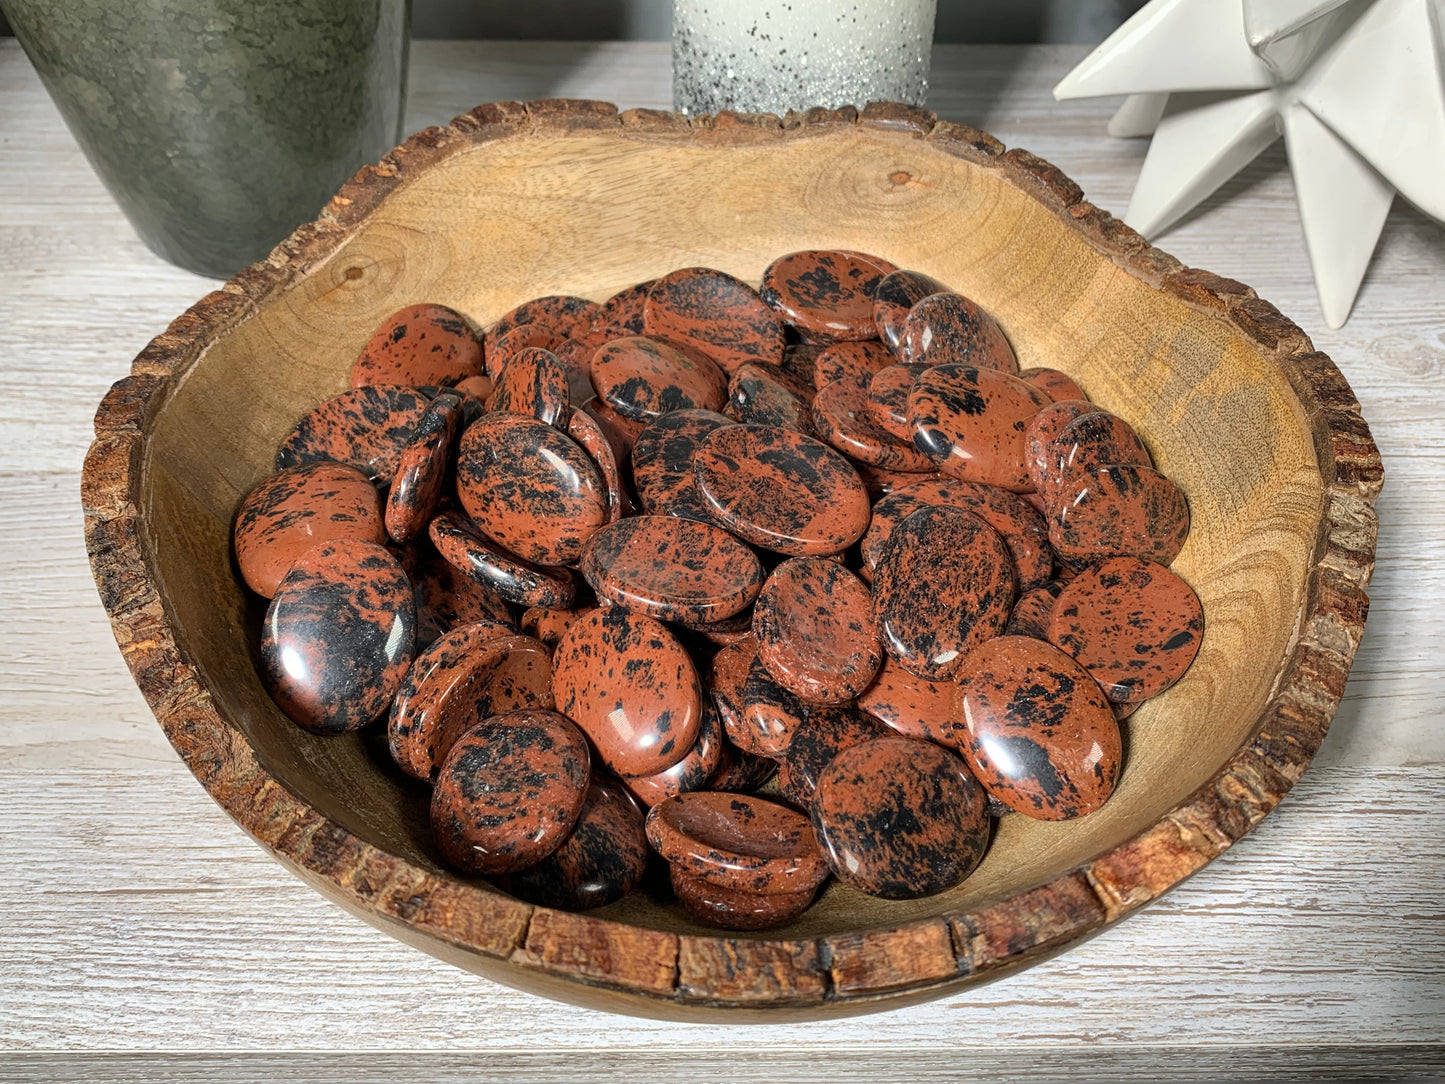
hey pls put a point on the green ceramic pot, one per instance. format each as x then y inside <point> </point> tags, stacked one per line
<point>221,125</point>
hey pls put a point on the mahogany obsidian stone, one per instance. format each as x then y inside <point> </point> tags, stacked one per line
<point>626,681</point>
<point>900,819</point>
<point>825,292</point>
<point>338,636</point>
<point>419,345</point>
<point>510,791</point>
<point>599,862</point>
<point>1036,730</point>
<point>295,509</point>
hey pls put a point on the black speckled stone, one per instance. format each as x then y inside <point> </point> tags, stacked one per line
<point>815,630</point>
<point>943,585</point>
<point>517,581</point>
<point>1133,624</point>
<point>900,819</point>
<point>1036,730</point>
<point>597,864</point>
<point>510,791</point>
<point>366,428</point>
<point>631,687</point>
<point>824,734</point>
<point>662,463</point>
<point>672,569</point>
<point>780,490</point>
<point>338,636</point>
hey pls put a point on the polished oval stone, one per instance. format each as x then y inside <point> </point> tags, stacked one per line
<point>900,819</point>
<point>1133,624</point>
<point>1117,511</point>
<point>298,508</point>
<point>971,422</point>
<point>815,630</point>
<point>643,379</point>
<point>338,636</point>
<point>420,344</point>
<point>737,842</point>
<point>422,472</point>
<point>910,705</point>
<point>1087,443</point>
<point>690,773</point>
<point>888,398</point>
<point>894,299</point>
<point>608,451</point>
<point>1047,424</point>
<point>843,417</point>
<point>1060,387</point>
<point>825,292</point>
<point>824,734</point>
<point>569,316</point>
<point>510,791</point>
<point>502,347</point>
<point>740,772</point>
<point>465,677</point>
<point>856,361</point>
<point>716,313</point>
<point>619,316</point>
<point>724,678</point>
<point>1036,730</point>
<point>600,861</point>
<point>770,716</point>
<point>761,394</point>
<point>1023,530</point>
<point>729,910</point>
<point>627,682</point>
<point>673,569</point>
<point>534,383</point>
<point>365,428</point>
<point>549,625</point>
<point>943,585</point>
<point>780,490</point>
<point>662,463</point>
<point>950,329</point>
<point>446,597</point>
<point>519,582</point>
<point>1032,611</point>
<point>530,487</point>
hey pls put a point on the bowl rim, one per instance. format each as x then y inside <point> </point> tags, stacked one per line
<point>653,972</point>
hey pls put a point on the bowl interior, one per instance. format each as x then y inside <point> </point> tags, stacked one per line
<point>590,212</point>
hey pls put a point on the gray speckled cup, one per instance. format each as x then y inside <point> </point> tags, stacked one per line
<point>769,56</point>
<point>221,125</point>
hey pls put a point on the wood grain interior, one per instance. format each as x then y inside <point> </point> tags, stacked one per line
<point>588,213</point>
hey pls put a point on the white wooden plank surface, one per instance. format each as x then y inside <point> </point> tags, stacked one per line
<point>256,960</point>
<point>134,916</point>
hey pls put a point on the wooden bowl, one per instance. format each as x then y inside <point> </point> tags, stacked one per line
<point>512,201</point>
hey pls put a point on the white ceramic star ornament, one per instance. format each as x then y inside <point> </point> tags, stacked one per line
<point>1356,87</point>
